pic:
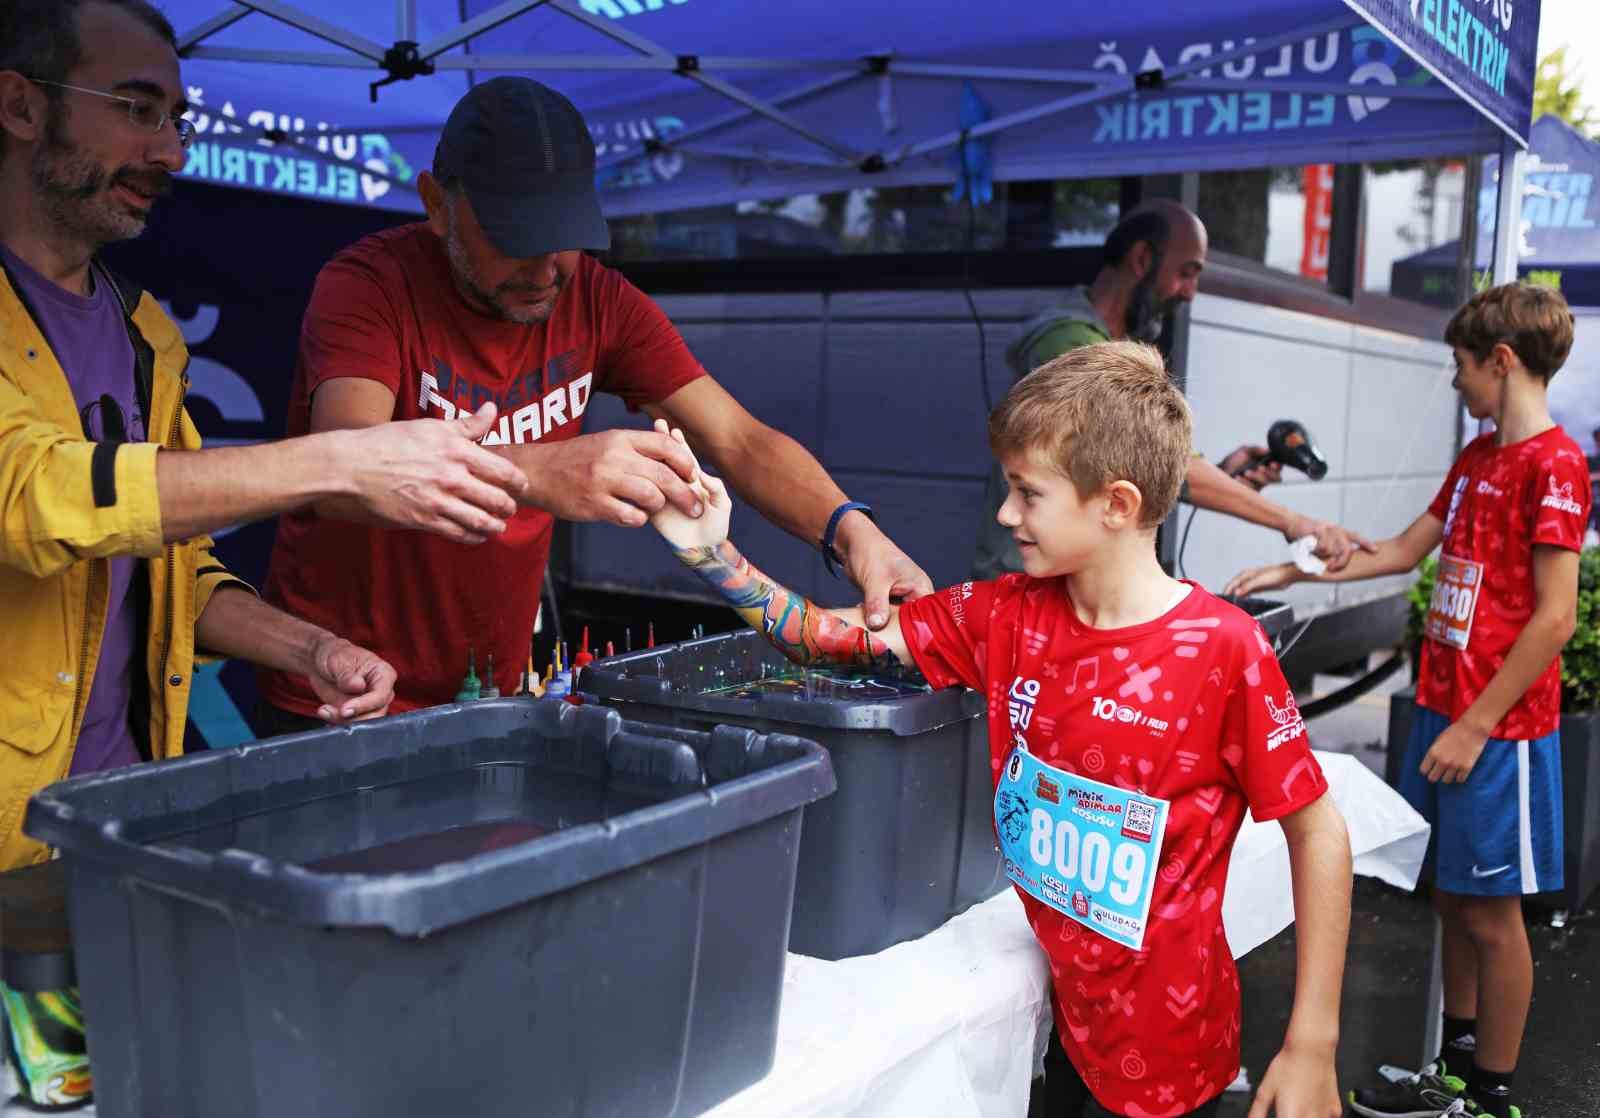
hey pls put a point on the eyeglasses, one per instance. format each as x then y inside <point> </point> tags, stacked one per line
<point>145,114</point>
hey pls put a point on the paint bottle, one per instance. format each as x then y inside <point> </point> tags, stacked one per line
<point>489,690</point>
<point>471,689</point>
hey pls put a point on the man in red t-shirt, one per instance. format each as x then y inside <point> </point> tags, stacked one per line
<point>1133,720</point>
<point>492,299</point>
<point>1484,762</point>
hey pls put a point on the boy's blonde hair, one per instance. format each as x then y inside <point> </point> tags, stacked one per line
<point>1535,322</point>
<point>1100,414</point>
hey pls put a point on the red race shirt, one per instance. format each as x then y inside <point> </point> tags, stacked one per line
<point>1496,504</point>
<point>387,310</point>
<point>1212,728</point>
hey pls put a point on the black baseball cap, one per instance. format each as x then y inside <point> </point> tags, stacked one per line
<point>524,156</point>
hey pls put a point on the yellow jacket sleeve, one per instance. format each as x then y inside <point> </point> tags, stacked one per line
<point>64,499</point>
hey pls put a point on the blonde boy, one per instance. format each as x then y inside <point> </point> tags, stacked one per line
<point>1132,720</point>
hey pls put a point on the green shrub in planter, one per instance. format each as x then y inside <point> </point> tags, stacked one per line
<point>1580,660</point>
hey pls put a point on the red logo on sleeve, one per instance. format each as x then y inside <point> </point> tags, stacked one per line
<point>1290,724</point>
<point>1560,499</point>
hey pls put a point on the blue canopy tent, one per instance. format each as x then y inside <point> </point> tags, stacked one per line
<point>1559,237</point>
<point>697,102</point>
<point>706,102</point>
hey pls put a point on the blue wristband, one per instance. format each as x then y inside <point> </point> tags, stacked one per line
<point>830,557</point>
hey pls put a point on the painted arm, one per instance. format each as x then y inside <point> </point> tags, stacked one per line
<point>803,631</point>
<point>787,485</point>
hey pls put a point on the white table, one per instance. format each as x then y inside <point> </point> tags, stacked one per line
<point>952,1024</point>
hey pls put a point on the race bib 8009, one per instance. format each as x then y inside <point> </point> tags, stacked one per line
<point>1086,849</point>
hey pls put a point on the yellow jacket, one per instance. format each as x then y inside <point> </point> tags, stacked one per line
<point>66,506</point>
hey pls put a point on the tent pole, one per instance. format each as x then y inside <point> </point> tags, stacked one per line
<point>1467,241</point>
<point>1467,267</point>
<point>1508,211</point>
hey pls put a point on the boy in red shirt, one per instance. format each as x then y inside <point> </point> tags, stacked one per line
<point>1484,760</point>
<point>1132,721</point>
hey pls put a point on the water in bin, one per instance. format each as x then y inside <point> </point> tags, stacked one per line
<point>417,825</point>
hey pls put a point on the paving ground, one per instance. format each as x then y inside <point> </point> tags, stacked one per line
<point>1386,980</point>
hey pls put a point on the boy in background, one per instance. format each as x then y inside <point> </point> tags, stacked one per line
<point>1484,761</point>
<point>1132,720</point>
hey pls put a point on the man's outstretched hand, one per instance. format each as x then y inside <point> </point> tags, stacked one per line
<point>620,476</point>
<point>1335,545</point>
<point>879,569</point>
<point>432,475</point>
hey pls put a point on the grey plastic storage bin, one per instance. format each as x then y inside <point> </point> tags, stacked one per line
<point>1273,616</point>
<point>627,963</point>
<point>908,840</point>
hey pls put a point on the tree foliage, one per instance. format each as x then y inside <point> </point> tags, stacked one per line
<point>1558,91</point>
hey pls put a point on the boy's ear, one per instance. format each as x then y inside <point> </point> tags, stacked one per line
<point>1505,359</point>
<point>1123,504</point>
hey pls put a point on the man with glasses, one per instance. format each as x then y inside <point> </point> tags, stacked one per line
<point>107,584</point>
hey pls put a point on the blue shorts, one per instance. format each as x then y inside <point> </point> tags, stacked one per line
<point>1499,833</point>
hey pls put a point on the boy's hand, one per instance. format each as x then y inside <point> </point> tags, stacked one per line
<point>1300,1083</point>
<point>1453,753</point>
<point>710,528</point>
<point>1275,577</point>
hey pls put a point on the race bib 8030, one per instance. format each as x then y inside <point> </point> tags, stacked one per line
<point>1086,849</point>
<point>1455,600</point>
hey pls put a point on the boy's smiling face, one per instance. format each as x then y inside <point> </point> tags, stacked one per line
<point>1057,530</point>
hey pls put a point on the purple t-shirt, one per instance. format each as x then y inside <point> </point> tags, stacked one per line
<point>90,342</point>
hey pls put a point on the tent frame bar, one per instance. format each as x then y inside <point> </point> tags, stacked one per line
<point>705,128</point>
<point>210,27</point>
<point>653,62</point>
<point>327,59</point>
<point>478,25</point>
<point>1119,85</point>
<point>322,29</point>
<point>755,104</point>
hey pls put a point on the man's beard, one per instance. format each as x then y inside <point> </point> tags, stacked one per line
<point>489,302</point>
<point>1146,312</point>
<point>76,190</point>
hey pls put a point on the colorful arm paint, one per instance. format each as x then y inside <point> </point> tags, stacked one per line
<point>806,633</point>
